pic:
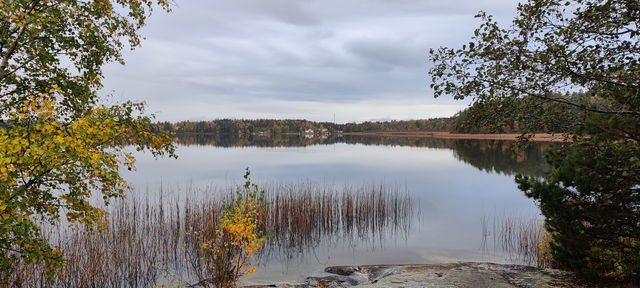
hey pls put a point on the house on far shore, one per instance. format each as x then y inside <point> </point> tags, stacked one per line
<point>308,131</point>
<point>261,133</point>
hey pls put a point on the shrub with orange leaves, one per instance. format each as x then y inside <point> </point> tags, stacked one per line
<point>228,254</point>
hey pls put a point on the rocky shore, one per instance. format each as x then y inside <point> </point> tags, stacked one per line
<point>433,275</point>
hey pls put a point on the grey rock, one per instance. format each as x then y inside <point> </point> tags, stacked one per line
<point>456,275</point>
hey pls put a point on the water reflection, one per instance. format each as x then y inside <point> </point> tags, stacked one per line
<point>452,182</point>
<point>303,216</point>
<point>281,140</point>
<point>503,156</point>
<point>500,156</point>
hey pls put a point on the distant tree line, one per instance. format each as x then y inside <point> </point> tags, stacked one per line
<point>478,118</point>
<point>269,127</point>
<point>241,128</point>
<point>433,124</point>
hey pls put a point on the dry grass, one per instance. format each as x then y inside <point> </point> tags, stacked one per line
<point>303,215</point>
<point>151,242</point>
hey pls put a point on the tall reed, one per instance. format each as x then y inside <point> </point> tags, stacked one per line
<point>152,241</point>
<point>524,240</point>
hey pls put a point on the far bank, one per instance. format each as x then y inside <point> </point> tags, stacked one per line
<point>541,137</point>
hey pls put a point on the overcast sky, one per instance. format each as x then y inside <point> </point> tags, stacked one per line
<point>296,59</point>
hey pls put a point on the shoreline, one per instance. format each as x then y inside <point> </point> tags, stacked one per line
<point>541,137</point>
<point>461,274</point>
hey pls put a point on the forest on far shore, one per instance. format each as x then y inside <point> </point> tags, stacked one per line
<point>466,121</point>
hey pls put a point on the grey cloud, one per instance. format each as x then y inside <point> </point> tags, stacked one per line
<point>291,12</point>
<point>391,53</point>
<point>330,52</point>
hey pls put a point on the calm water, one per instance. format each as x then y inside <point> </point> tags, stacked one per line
<point>454,184</point>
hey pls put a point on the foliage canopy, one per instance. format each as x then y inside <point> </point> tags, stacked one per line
<point>228,252</point>
<point>572,67</point>
<point>58,144</point>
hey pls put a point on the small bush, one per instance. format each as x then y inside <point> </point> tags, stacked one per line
<point>228,254</point>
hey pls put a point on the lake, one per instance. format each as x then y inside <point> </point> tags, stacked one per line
<point>454,185</point>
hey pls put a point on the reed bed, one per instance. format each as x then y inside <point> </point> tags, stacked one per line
<point>523,240</point>
<point>150,242</point>
<point>304,215</point>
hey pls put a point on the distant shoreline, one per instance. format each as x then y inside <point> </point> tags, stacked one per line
<point>541,137</point>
